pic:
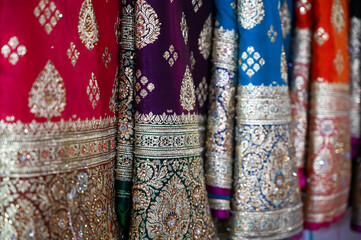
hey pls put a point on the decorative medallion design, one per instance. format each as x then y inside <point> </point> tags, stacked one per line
<point>12,50</point>
<point>147,24</point>
<point>338,16</point>
<point>251,13</point>
<point>321,36</point>
<point>192,60</point>
<point>171,55</point>
<point>197,4</point>
<point>142,86</point>
<point>204,40</point>
<point>184,28</point>
<point>251,61</point>
<point>303,6</point>
<point>201,92</point>
<point>107,57</point>
<point>285,19</point>
<point>73,54</point>
<point>187,92</point>
<point>48,15</point>
<point>93,91</point>
<point>47,95</point>
<point>272,34</point>
<point>339,62</point>
<point>87,26</point>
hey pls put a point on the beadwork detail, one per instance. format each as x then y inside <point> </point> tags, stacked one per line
<point>93,91</point>
<point>48,15</point>
<point>87,26</point>
<point>73,54</point>
<point>251,61</point>
<point>12,50</point>
<point>47,95</point>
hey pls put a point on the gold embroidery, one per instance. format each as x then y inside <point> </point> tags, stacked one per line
<point>48,15</point>
<point>147,24</point>
<point>13,50</point>
<point>187,92</point>
<point>87,26</point>
<point>250,13</point>
<point>47,95</point>
<point>272,34</point>
<point>338,16</point>
<point>197,4</point>
<point>73,54</point>
<point>107,57</point>
<point>202,92</point>
<point>339,62</point>
<point>321,36</point>
<point>93,91</point>
<point>204,40</point>
<point>285,19</point>
<point>184,28</point>
<point>251,61</point>
<point>171,55</point>
<point>142,86</point>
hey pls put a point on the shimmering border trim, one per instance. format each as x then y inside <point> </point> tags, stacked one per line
<point>219,204</point>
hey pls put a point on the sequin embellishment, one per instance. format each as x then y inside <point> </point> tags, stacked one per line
<point>87,26</point>
<point>48,15</point>
<point>93,91</point>
<point>47,95</point>
<point>251,61</point>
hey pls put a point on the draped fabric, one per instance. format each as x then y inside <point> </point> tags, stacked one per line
<point>57,123</point>
<point>220,122</point>
<point>328,162</point>
<point>355,81</point>
<point>300,81</point>
<point>266,200</point>
<point>173,45</point>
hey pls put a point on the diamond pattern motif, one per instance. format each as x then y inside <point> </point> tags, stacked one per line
<point>321,36</point>
<point>338,16</point>
<point>201,92</point>
<point>251,61</point>
<point>93,91</point>
<point>73,54</point>
<point>48,14</point>
<point>339,62</point>
<point>171,55</point>
<point>13,51</point>
<point>107,57</point>
<point>272,34</point>
<point>142,86</point>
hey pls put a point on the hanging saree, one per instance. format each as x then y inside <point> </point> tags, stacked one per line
<point>266,200</point>
<point>57,120</point>
<point>300,82</point>
<point>171,72</point>
<point>220,122</point>
<point>328,163</point>
<point>355,81</point>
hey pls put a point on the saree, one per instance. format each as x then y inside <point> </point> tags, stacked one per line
<point>172,63</point>
<point>57,120</point>
<point>300,82</point>
<point>328,165</point>
<point>266,200</point>
<point>355,81</point>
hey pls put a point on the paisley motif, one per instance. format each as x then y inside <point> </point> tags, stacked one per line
<point>147,24</point>
<point>251,13</point>
<point>187,92</point>
<point>47,95</point>
<point>87,26</point>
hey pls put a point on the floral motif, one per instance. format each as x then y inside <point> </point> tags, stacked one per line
<point>72,53</point>
<point>251,61</point>
<point>338,16</point>
<point>187,92</point>
<point>48,15</point>
<point>204,40</point>
<point>184,28</point>
<point>171,55</point>
<point>13,50</point>
<point>142,86</point>
<point>321,36</point>
<point>47,95</point>
<point>93,91</point>
<point>303,6</point>
<point>147,24</point>
<point>272,34</point>
<point>106,57</point>
<point>251,13</point>
<point>87,26</point>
